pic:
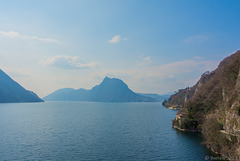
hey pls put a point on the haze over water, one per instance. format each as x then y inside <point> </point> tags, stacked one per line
<point>94,131</point>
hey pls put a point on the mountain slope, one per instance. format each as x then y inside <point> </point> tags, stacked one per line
<point>11,91</point>
<point>60,94</point>
<point>110,90</point>
<point>178,100</point>
<point>156,97</point>
<point>214,108</point>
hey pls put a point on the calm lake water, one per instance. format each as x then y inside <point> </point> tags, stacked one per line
<point>94,131</point>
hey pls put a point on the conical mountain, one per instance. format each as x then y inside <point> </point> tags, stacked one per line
<point>115,90</point>
<point>110,90</point>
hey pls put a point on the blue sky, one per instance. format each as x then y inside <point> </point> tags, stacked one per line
<point>155,46</point>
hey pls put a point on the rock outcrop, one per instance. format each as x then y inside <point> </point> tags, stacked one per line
<point>178,100</point>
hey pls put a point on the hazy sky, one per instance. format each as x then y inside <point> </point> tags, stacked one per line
<point>155,46</point>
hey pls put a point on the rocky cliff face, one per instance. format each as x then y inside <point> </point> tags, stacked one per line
<point>214,108</point>
<point>178,100</point>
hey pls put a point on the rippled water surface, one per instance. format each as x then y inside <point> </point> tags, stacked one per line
<point>94,131</point>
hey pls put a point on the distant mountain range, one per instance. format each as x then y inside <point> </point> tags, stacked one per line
<point>156,97</point>
<point>11,91</point>
<point>110,90</point>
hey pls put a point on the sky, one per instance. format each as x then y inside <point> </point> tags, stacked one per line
<point>154,46</point>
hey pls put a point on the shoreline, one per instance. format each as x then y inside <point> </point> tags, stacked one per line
<point>207,146</point>
<point>187,130</point>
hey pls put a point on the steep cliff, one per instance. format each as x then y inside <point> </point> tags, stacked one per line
<point>214,108</point>
<point>178,100</point>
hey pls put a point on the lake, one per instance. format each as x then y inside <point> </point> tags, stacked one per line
<point>94,131</point>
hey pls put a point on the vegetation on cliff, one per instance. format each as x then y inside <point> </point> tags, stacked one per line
<point>214,107</point>
<point>178,100</point>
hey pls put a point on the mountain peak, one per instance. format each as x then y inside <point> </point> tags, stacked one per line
<point>106,78</point>
<point>109,90</point>
<point>111,79</point>
<point>112,83</point>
